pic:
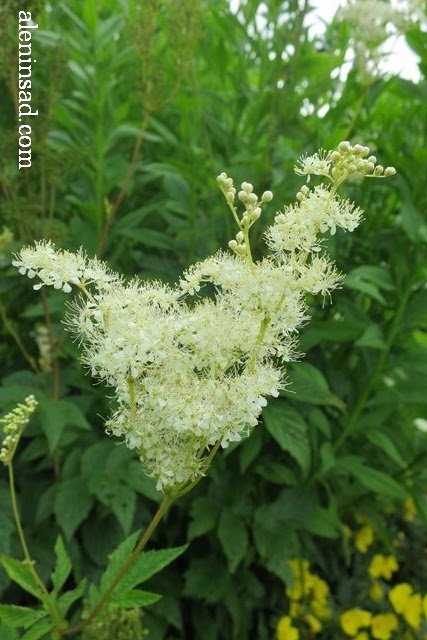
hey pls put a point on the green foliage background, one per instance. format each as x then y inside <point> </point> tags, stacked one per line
<point>141,105</point>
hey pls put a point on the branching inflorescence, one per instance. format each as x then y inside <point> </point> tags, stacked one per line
<point>192,372</point>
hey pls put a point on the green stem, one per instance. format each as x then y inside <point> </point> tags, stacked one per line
<point>373,378</point>
<point>161,511</point>
<point>28,560</point>
<point>9,327</point>
<point>167,502</point>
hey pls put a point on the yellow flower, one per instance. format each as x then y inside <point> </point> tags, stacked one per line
<point>407,603</point>
<point>300,573</point>
<point>314,624</point>
<point>353,619</point>
<point>382,566</point>
<point>285,630</point>
<point>362,636</point>
<point>383,625</point>
<point>363,538</point>
<point>321,610</point>
<point>320,589</point>
<point>295,609</point>
<point>425,605</point>
<point>376,592</point>
<point>410,510</point>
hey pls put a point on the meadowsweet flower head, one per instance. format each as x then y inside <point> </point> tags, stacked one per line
<point>192,372</point>
<point>14,424</point>
<point>60,269</point>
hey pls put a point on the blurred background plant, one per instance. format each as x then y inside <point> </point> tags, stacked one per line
<point>141,105</point>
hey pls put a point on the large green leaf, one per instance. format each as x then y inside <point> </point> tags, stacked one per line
<point>39,630</point>
<point>146,565</point>
<point>372,479</point>
<point>308,384</point>
<point>233,536</point>
<point>62,567</point>
<point>204,515</point>
<point>21,573</point>
<point>15,616</point>
<point>72,504</point>
<point>289,430</point>
<point>134,598</point>
<point>56,415</point>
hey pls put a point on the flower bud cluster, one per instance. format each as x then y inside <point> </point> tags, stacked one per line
<point>14,423</point>
<point>60,269</point>
<point>350,160</point>
<point>345,161</point>
<point>253,208</point>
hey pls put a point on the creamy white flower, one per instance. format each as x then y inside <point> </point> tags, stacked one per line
<point>192,372</point>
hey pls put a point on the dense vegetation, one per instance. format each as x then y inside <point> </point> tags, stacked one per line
<point>141,105</point>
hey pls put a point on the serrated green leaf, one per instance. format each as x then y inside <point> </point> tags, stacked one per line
<point>204,516</point>
<point>380,276</point>
<point>384,442</point>
<point>63,565</point>
<point>233,536</point>
<point>276,473</point>
<point>69,597</point>
<point>308,384</point>
<point>324,523</point>
<point>72,504</point>
<point>356,283</point>
<point>20,573</point>
<point>327,457</point>
<point>117,558</point>
<point>289,430</point>
<point>134,598</point>
<point>372,479</point>
<point>146,565</point>
<point>56,415</point>
<point>39,630</point>
<point>250,449</point>
<point>372,337</point>
<point>15,616</point>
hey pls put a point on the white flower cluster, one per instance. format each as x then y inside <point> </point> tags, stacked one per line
<point>14,423</point>
<point>60,268</point>
<point>193,372</point>
<point>372,22</point>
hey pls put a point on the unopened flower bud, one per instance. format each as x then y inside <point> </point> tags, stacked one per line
<point>358,149</point>
<point>246,186</point>
<point>233,245</point>
<point>344,146</point>
<point>252,198</point>
<point>389,171</point>
<point>243,196</point>
<point>379,170</point>
<point>267,196</point>
<point>240,237</point>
